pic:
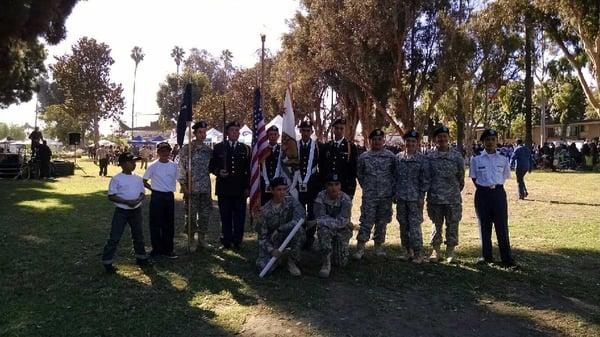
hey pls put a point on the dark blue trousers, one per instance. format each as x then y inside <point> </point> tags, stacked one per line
<point>521,181</point>
<point>491,208</point>
<point>233,218</point>
<point>162,222</point>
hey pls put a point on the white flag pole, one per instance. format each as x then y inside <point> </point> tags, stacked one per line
<point>281,248</point>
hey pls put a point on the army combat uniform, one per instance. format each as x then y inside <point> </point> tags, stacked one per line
<point>376,172</point>
<point>274,224</point>
<point>412,182</point>
<point>201,201</point>
<point>444,201</point>
<point>333,222</point>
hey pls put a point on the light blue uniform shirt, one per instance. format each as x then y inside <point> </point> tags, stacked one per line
<point>489,169</point>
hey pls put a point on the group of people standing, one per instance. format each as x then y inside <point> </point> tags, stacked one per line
<point>317,184</point>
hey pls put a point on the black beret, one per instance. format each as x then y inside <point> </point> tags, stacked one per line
<point>441,129</point>
<point>273,128</point>
<point>305,124</point>
<point>200,124</point>
<point>163,145</point>
<point>333,178</point>
<point>411,134</point>
<point>278,181</point>
<point>233,123</point>
<point>339,121</point>
<point>376,133</point>
<point>486,133</point>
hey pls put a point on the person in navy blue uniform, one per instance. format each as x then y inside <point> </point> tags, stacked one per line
<point>522,159</point>
<point>309,181</point>
<point>230,163</point>
<point>489,170</point>
<point>270,168</point>
<point>339,156</point>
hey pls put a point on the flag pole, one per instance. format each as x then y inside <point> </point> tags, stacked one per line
<point>263,37</point>
<point>224,134</point>
<point>189,187</point>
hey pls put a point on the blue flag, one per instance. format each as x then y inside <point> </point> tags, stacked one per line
<point>185,113</point>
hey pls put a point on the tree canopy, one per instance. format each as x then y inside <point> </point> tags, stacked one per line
<point>22,55</point>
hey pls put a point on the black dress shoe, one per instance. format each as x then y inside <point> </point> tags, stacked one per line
<point>154,254</point>
<point>143,262</point>
<point>110,269</point>
<point>482,261</point>
<point>170,255</point>
<point>509,265</point>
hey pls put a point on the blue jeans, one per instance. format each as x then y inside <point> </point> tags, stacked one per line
<point>120,219</point>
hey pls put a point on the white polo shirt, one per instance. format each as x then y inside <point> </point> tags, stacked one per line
<point>162,176</point>
<point>489,169</point>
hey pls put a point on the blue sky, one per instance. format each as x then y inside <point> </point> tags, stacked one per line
<point>157,26</point>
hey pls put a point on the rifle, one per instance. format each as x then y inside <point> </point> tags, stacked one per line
<point>224,137</point>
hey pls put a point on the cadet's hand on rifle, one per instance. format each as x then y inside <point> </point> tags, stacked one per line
<point>394,200</point>
<point>275,253</point>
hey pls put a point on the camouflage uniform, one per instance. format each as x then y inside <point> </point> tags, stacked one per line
<point>376,171</point>
<point>333,222</point>
<point>201,189</point>
<point>447,171</point>
<point>274,224</point>
<point>412,182</point>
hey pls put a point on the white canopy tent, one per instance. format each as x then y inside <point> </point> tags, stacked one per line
<point>214,135</point>
<point>246,135</point>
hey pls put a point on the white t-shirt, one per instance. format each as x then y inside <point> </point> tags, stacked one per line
<point>126,186</point>
<point>162,176</point>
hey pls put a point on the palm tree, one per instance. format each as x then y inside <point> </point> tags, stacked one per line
<point>137,55</point>
<point>177,55</point>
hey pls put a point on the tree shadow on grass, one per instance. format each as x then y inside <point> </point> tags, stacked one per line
<point>563,202</point>
<point>53,285</point>
<point>386,297</point>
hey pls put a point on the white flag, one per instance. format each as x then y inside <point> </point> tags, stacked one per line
<point>288,132</point>
<point>288,124</point>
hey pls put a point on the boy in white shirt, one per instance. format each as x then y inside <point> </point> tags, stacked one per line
<point>162,175</point>
<point>126,191</point>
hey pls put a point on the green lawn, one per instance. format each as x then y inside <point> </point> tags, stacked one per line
<point>52,282</point>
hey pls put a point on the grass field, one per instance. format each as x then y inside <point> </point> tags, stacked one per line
<point>52,282</point>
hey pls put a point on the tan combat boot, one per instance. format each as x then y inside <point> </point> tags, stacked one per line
<point>360,250</point>
<point>449,254</point>
<point>379,250</point>
<point>435,254</point>
<point>406,255</point>
<point>293,268</point>
<point>202,243</point>
<point>417,257</point>
<point>326,268</point>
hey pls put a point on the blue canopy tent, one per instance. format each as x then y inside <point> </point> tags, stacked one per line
<point>158,139</point>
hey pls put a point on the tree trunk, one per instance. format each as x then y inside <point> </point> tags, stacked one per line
<point>96,131</point>
<point>528,81</point>
<point>460,117</point>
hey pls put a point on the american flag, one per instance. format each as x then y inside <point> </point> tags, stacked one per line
<point>259,151</point>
